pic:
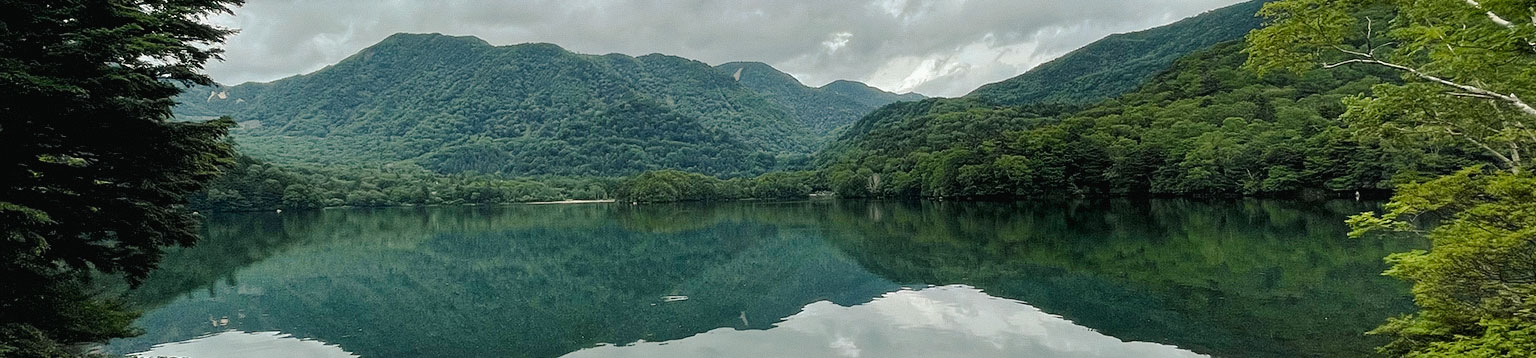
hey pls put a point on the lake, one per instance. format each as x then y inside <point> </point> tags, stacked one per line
<point>825,278</point>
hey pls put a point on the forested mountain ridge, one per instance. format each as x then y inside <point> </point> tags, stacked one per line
<point>1101,70</point>
<point>459,104</point>
<point>1120,63</point>
<point>1205,127</point>
<point>822,108</point>
<point>868,94</point>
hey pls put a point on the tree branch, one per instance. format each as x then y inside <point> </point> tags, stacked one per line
<point>1528,132</point>
<point>1500,20</point>
<point>1510,99</point>
<point>1468,95</point>
<point>1515,167</point>
<point>1492,16</point>
<point>1514,156</point>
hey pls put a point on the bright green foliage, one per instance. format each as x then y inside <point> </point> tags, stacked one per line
<point>1207,127</point>
<point>822,109</point>
<point>94,174</point>
<point>1119,63</point>
<point>671,185</point>
<point>1467,65</point>
<point>458,104</point>
<point>1475,286</point>
<point>1467,69</point>
<point>252,185</point>
<point>784,185</point>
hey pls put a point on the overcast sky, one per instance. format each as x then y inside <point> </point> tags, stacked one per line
<point>934,47</point>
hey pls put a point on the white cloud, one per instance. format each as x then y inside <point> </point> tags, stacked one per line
<point>950,321</point>
<point>837,42</point>
<point>937,47</point>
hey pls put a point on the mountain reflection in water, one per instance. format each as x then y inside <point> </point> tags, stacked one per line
<point>823,278</point>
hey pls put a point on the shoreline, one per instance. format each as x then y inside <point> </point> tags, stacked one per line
<point>591,201</point>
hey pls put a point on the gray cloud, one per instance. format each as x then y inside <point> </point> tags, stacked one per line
<point>935,47</point>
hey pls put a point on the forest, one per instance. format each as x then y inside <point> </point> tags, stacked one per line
<point>459,105</point>
<point>1207,127</point>
<point>251,185</point>
<point>1416,101</point>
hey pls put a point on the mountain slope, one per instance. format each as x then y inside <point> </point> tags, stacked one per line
<point>868,95</point>
<point>822,109</point>
<point>1207,127</point>
<point>457,104</point>
<point>1101,70</point>
<point>1119,63</point>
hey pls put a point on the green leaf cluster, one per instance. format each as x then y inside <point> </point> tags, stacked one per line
<point>1475,285</point>
<point>1466,65</point>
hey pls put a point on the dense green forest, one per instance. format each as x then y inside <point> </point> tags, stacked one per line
<point>458,104</point>
<point>1206,127</point>
<point>674,185</point>
<point>252,185</point>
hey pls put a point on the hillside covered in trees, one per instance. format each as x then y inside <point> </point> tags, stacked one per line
<point>458,104</point>
<point>1207,127</point>
<point>1120,63</point>
<point>824,109</point>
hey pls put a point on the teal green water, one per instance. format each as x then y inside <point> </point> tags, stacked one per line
<point>1123,278</point>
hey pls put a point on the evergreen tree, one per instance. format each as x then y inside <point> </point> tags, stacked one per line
<point>94,171</point>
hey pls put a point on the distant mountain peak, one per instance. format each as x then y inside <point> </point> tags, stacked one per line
<point>754,71</point>
<point>847,86</point>
<point>1120,63</point>
<point>417,39</point>
<point>458,103</point>
<point>824,108</point>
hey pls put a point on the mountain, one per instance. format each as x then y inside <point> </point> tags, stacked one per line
<point>1206,127</point>
<point>867,94</point>
<point>1104,69</point>
<point>823,109</point>
<point>1119,63</point>
<point>459,104</point>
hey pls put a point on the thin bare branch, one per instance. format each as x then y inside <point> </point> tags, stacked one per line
<point>1352,52</point>
<point>1469,95</point>
<point>1514,156</point>
<point>1492,16</point>
<point>1528,132</point>
<point>1507,162</point>
<point>1332,65</point>
<point>1510,99</point>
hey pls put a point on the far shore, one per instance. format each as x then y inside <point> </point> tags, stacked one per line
<point>599,201</point>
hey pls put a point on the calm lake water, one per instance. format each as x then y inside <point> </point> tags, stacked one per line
<point>1122,278</point>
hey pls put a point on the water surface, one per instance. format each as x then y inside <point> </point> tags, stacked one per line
<point>1122,278</point>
